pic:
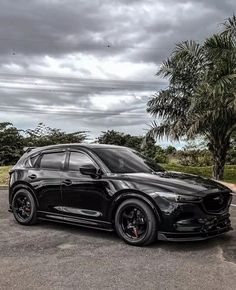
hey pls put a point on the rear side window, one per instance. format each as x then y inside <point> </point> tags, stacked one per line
<point>30,162</point>
<point>78,159</point>
<point>52,160</point>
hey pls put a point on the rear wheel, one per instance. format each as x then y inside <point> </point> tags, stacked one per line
<point>136,223</point>
<point>24,207</point>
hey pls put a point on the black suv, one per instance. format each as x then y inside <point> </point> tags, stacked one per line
<point>112,187</point>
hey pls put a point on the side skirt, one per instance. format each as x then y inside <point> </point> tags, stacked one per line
<point>79,221</point>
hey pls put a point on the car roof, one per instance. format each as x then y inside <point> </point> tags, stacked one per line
<point>31,151</point>
<point>72,146</point>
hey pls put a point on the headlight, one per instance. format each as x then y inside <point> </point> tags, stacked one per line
<point>174,197</point>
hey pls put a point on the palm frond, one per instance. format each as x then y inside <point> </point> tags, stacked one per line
<point>188,49</point>
<point>229,27</point>
<point>220,48</point>
<point>223,84</point>
<point>166,68</point>
<point>200,98</point>
<point>167,129</point>
<point>168,104</point>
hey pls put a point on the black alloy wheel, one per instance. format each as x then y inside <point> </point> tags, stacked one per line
<point>136,223</point>
<point>133,222</point>
<point>24,208</point>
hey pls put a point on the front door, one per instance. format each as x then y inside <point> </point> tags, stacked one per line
<point>83,195</point>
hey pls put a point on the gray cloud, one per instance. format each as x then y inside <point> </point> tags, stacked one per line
<point>95,104</point>
<point>88,44</point>
<point>143,29</point>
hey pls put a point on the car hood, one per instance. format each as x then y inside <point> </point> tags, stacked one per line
<point>175,182</point>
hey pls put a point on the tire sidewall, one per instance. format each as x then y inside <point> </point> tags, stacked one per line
<point>32,218</point>
<point>151,222</point>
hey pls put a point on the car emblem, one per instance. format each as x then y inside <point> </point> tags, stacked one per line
<point>219,199</point>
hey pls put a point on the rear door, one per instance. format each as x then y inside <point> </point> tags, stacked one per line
<point>47,179</point>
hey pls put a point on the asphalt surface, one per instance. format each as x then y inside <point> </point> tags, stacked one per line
<point>53,256</point>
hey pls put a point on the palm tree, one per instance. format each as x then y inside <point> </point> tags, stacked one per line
<point>200,99</point>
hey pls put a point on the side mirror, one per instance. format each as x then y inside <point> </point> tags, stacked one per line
<point>90,170</point>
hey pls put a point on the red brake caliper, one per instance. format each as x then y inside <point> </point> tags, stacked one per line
<point>135,232</point>
<point>27,208</point>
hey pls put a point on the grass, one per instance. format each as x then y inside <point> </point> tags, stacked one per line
<point>229,175</point>
<point>230,172</point>
<point>4,174</point>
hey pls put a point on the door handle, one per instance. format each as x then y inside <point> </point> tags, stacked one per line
<point>67,182</point>
<point>32,176</point>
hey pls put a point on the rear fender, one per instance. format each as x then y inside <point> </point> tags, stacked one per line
<point>19,186</point>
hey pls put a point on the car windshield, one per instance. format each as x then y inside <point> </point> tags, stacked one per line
<point>122,160</point>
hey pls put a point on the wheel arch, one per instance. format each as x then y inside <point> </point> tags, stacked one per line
<point>128,194</point>
<point>20,186</point>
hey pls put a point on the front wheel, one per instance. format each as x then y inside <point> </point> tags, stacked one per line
<point>24,207</point>
<point>136,223</point>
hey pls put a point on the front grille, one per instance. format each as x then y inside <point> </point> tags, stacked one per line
<point>215,223</point>
<point>216,202</point>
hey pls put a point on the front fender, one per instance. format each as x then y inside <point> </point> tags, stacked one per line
<point>124,195</point>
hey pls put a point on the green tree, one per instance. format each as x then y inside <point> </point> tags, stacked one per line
<point>148,148</point>
<point>135,142</point>
<point>201,96</point>
<point>160,155</point>
<point>43,136</point>
<point>170,150</point>
<point>11,144</point>
<point>121,139</point>
<point>112,137</point>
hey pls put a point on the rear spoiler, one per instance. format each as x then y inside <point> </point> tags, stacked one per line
<point>28,149</point>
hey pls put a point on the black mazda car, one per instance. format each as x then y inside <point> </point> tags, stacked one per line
<point>116,188</point>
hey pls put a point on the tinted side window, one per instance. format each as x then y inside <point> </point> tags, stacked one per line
<point>78,159</point>
<point>52,160</point>
<point>126,161</point>
<point>30,162</point>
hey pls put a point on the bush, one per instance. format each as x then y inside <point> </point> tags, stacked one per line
<point>194,155</point>
<point>229,174</point>
<point>160,155</point>
<point>231,156</point>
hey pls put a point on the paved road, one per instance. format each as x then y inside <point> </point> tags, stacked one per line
<point>52,256</point>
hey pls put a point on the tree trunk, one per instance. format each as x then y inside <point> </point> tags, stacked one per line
<point>219,159</point>
<point>218,169</point>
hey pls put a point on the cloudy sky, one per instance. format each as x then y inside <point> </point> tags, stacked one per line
<point>91,64</point>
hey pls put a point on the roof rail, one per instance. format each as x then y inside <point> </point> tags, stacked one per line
<point>28,149</point>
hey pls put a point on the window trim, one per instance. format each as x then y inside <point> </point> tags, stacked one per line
<point>37,156</point>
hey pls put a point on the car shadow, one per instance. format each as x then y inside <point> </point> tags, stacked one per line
<point>221,241</point>
<point>76,229</point>
<point>225,241</point>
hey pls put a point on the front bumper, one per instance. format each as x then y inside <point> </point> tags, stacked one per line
<point>198,229</point>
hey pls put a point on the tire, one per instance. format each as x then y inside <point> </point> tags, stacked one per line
<point>24,208</point>
<point>136,227</point>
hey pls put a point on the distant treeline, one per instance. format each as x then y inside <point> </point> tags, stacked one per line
<point>13,140</point>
